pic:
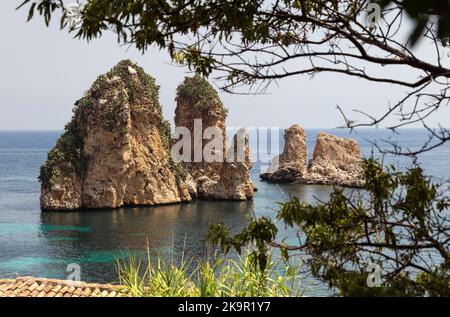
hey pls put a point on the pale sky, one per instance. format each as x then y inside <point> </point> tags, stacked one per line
<point>44,71</point>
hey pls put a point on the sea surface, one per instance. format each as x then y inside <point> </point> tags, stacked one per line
<point>44,244</point>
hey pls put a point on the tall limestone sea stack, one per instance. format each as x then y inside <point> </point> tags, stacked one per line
<point>335,161</point>
<point>116,150</point>
<point>201,113</point>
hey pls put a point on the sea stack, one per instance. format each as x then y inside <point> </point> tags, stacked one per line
<point>290,165</point>
<point>116,150</point>
<point>201,114</point>
<point>234,181</point>
<point>335,161</point>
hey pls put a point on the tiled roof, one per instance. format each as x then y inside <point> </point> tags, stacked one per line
<point>43,287</point>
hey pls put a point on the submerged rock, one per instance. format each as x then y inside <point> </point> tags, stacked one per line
<point>335,161</point>
<point>201,114</point>
<point>116,150</point>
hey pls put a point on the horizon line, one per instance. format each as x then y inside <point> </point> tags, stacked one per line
<point>335,128</point>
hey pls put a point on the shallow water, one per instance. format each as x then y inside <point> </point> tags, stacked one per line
<point>43,244</point>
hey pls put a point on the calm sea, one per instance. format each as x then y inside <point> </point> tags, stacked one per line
<point>43,244</point>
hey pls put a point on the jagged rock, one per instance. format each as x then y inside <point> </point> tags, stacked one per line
<point>199,110</point>
<point>336,161</point>
<point>290,165</point>
<point>116,150</point>
<point>234,181</point>
<point>63,195</point>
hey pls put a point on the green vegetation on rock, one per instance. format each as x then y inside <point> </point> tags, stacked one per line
<point>200,94</point>
<point>178,169</point>
<point>143,89</point>
<point>65,158</point>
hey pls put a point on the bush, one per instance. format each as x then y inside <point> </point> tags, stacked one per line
<point>217,278</point>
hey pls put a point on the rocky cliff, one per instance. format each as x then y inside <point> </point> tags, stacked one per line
<point>335,161</point>
<point>116,150</point>
<point>201,114</point>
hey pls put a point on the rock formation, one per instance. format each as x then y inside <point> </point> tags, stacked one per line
<point>202,115</point>
<point>234,181</point>
<point>335,161</point>
<point>290,165</point>
<point>116,150</point>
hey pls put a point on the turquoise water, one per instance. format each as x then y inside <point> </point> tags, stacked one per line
<point>43,244</point>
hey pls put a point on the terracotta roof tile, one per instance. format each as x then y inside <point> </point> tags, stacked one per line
<point>25,293</point>
<point>33,286</point>
<point>41,294</point>
<point>70,290</point>
<point>86,292</point>
<point>42,287</point>
<point>78,291</point>
<point>57,288</point>
<point>104,293</point>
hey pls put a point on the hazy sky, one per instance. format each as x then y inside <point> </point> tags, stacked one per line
<point>44,71</point>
